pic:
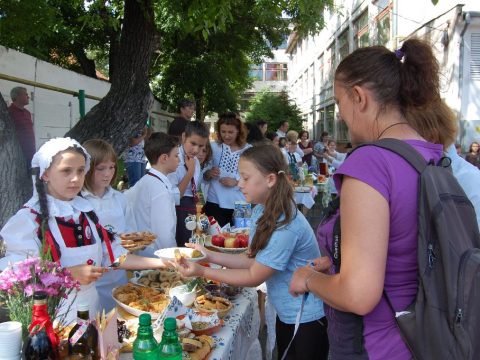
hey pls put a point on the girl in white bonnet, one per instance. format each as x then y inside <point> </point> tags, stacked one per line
<point>57,218</point>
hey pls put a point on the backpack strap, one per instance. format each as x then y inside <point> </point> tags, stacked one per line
<point>414,158</point>
<point>403,149</point>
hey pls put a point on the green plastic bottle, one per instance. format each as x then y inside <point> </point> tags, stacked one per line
<point>170,347</point>
<point>145,347</point>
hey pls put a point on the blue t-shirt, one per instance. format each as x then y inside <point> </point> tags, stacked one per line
<point>289,248</point>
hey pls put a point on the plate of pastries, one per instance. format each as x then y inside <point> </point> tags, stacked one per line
<point>159,279</point>
<point>137,240</point>
<point>136,299</point>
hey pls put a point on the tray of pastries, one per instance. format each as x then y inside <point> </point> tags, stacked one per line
<point>159,279</point>
<point>195,346</point>
<point>137,240</point>
<point>137,300</point>
<point>213,304</point>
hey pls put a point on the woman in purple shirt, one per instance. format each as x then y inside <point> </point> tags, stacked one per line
<point>380,94</point>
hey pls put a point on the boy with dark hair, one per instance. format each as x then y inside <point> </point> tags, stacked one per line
<point>188,175</point>
<point>151,202</point>
<point>186,110</point>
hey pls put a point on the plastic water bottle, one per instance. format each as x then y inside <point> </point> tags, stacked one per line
<point>145,347</point>
<point>305,169</point>
<point>247,214</point>
<point>238,216</point>
<point>170,347</point>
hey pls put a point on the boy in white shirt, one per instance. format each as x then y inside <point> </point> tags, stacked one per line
<point>188,176</point>
<point>291,154</point>
<point>151,202</point>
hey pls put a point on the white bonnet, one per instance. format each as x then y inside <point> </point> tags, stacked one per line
<point>44,156</point>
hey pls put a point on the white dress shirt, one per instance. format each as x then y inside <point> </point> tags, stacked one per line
<point>177,176</point>
<point>468,176</point>
<point>151,207</point>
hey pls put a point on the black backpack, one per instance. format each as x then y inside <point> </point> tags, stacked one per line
<point>443,322</point>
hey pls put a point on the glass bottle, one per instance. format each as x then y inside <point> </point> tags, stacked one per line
<point>145,347</point>
<point>42,342</point>
<point>170,347</point>
<point>83,338</point>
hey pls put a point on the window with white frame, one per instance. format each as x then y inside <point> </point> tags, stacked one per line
<point>383,23</point>
<point>360,29</point>
<point>256,72</point>
<point>330,63</point>
<point>276,72</point>
<point>343,45</point>
<point>311,80</point>
<point>320,72</point>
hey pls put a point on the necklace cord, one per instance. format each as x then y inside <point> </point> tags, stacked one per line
<point>388,127</point>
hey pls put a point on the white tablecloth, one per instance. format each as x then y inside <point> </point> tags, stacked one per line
<point>238,337</point>
<point>306,199</point>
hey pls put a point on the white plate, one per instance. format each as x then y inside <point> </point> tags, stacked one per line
<point>139,274</point>
<point>133,311</point>
<point>169,254</point>
<point>302,189</point>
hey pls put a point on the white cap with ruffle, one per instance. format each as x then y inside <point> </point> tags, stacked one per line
<point>44,156</point>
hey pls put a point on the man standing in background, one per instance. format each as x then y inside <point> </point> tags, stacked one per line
<point>282,130</point>
<point>177,127</point>
<point>23,122</point>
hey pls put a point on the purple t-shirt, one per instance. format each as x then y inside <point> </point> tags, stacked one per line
<point>397,182</point>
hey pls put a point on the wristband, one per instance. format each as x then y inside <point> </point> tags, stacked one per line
<point>308,279</point>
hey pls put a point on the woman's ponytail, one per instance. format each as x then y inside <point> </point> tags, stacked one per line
<point>420,98</point>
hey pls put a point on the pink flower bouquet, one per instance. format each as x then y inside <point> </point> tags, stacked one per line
<point>19,281</point>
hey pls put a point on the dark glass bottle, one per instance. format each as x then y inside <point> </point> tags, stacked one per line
<point>145,347</point>
<point>170,347</point>
<point>42,342</point>
<point>83,338</point>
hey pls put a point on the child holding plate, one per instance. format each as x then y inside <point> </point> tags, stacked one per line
<point>281,240</point>
<point>58,220</point>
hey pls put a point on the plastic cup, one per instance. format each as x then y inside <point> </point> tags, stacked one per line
<point>10,339</point>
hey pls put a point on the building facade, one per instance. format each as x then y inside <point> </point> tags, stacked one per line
<point>270,75</point>
<point>453,29</point>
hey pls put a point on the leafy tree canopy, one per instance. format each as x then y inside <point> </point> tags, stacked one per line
<point>206,46</point>
<point>274,108</point>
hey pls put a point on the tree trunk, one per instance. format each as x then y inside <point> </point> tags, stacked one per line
<point>114,41</point>
<point>124,110</point>
<point>200,106</point>
<point>15,182</point>
<point>87,65</point>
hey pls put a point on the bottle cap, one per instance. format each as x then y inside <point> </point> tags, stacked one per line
<point>39,295</point>
<point>170,324</point>
<point>145,320</point>
<point>83,307</point>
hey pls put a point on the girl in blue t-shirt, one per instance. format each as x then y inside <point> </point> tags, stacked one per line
<point>281,240</point>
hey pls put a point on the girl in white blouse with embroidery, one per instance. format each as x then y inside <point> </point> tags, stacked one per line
<point>223,192</point>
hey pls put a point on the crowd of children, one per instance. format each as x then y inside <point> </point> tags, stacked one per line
<point>75,215</point>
